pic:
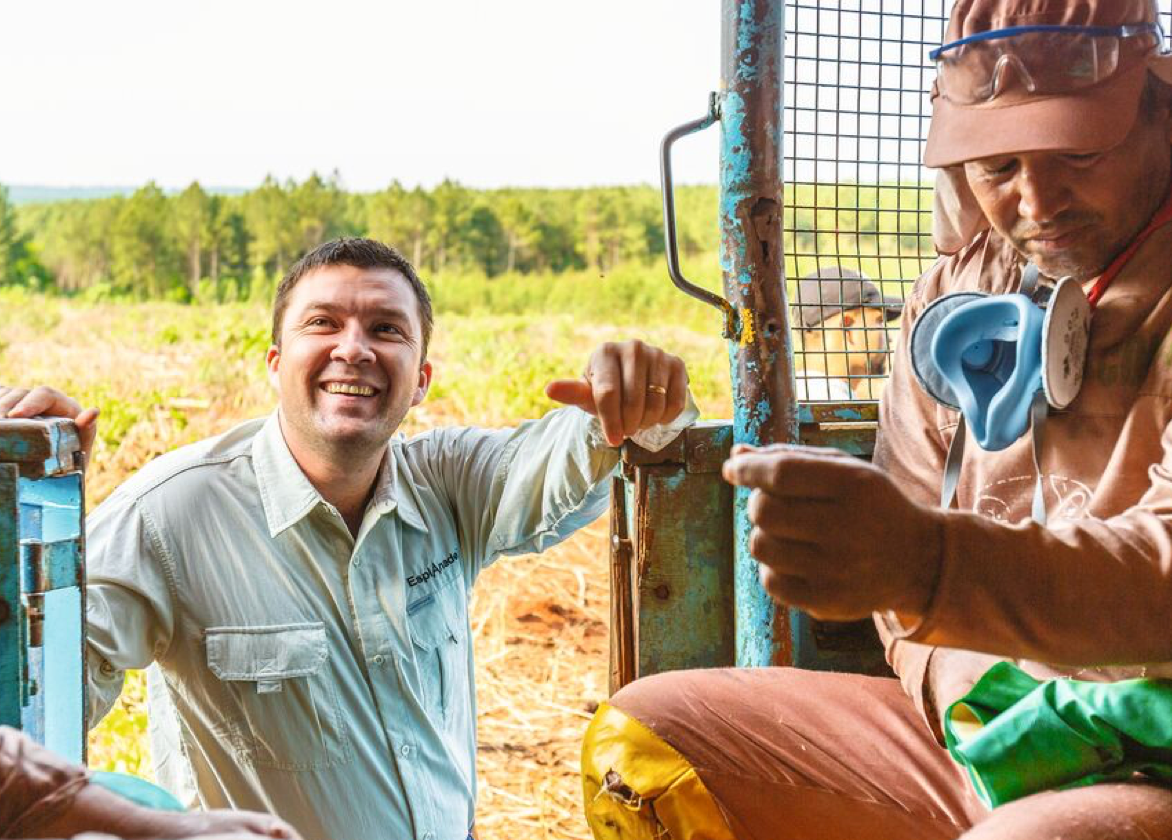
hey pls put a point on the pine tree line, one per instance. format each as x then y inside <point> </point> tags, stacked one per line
<point>201,245</point>
<point>196,245</point>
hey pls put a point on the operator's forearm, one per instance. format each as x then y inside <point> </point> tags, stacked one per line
<point>36,786</point>
<point>1092,592</point>
<point>97,809</point>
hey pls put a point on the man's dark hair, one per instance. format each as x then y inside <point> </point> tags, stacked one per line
<point>358,253</point>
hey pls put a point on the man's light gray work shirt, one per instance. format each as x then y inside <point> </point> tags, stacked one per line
<point>325,678</point>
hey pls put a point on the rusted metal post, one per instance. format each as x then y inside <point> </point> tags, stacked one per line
<point>764,408</point>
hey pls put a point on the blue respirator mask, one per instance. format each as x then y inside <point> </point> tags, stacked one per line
<point>1002,361</point>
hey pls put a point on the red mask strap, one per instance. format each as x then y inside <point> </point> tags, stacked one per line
<point>1163,216</point>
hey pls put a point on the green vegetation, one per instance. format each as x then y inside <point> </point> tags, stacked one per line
<point>508,250</point>
<point>18,262</point>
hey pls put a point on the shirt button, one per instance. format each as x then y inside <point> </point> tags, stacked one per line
<point>379,659</point>
<point>357,562</point>
<point>406,750</point>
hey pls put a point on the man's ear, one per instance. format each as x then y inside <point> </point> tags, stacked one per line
<point>273,362</point>
<point>848,320</point>
<point>423,384</point>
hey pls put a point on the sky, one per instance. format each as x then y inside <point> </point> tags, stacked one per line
<point>488,92</point>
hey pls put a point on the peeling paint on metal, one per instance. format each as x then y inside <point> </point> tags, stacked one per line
<point>750,202</point>
<point>748,336</point>
<point>685,568</point>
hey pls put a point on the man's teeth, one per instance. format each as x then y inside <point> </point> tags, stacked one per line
<point>345,388</point>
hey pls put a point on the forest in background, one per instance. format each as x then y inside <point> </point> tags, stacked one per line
<point>201,246</point>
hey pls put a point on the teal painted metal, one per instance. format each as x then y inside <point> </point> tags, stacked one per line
<point>761,359</point>
<point>42,577</point>
<point>679,526</point>
<point>676,505</point>
<point>11,616</point>
<point>63,673</point>
<point>684,578</point>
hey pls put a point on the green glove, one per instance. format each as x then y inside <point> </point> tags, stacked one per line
<point>1016,736</point>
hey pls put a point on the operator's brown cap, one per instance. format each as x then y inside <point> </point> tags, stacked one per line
<point>1087,120</point>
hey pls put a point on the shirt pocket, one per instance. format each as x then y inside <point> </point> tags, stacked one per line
<point>280,678</point>
<point>436,624</point>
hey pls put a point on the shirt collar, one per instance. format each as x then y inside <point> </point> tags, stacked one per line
<point>288,496</point>
<point>395,492</point>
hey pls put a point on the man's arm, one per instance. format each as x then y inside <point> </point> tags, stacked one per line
<point>957,579</point>
<point>525,489</point>
<point>129,598</point>
<point>44,796</point>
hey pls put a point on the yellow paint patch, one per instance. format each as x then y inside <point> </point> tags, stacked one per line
<point>748,336</point>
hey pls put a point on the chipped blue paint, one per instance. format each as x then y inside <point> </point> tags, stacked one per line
<point>24,450</point>
<point>675,482</point>
<point>748,174</point>
<point>42,688</point>
<point>685,578</point>
<point>11,637</point>
<point>836,412</point>
<point>735,160</point>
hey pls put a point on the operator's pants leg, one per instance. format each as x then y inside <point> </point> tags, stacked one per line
<point>784,753</point>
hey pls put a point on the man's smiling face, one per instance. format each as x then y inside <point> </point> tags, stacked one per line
<point>349,364</point>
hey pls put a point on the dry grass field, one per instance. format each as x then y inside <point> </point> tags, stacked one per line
<point>165,375</point>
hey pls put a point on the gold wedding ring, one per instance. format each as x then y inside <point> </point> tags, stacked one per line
<point>657,389</point>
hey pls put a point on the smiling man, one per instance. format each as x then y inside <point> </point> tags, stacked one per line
<point>303,580</point>
<point>1052,136</point>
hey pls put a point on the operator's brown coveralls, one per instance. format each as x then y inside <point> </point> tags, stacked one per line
<point>789,753</point>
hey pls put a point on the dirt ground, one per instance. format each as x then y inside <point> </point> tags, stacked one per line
<point>540,627</point>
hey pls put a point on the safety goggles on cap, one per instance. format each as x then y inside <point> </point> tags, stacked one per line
<point>1048,59</point>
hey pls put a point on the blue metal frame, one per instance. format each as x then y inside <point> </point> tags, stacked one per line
<point>42,593</point>
<point>761,358</point>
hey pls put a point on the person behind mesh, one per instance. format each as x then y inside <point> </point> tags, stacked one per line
<point>839,320</point>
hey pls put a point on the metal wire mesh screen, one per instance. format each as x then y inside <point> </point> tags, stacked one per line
<point>858,203</point>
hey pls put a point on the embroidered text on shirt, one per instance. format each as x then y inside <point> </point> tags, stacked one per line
<point>436,568</point>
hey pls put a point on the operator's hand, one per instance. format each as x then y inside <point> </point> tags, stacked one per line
<point>23,403</point>
<point>834,535</point>
<point>628,386</point>
<point>231,825</point>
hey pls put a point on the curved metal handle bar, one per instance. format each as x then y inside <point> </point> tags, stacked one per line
<point>669,219</point>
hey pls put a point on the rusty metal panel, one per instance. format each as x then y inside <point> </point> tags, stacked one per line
<point>702,447</point>
<point>40,447</point>
<point>678,512</point>
<point>856,412</point>
<point>676,516</point>
<point>684,574</point>
<point>622,602</point>
<point>853,438</point>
